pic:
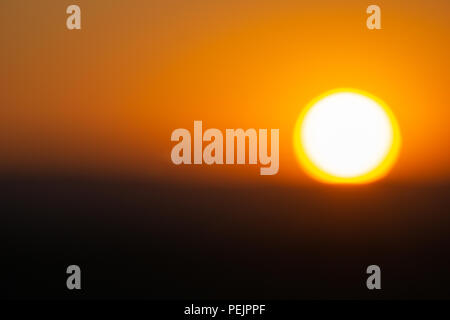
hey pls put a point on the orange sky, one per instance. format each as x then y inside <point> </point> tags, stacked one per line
<point>106,98</point>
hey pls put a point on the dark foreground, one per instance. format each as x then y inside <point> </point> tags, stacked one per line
<point>155,241</point>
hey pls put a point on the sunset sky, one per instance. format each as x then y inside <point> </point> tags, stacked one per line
<point>105,99</point>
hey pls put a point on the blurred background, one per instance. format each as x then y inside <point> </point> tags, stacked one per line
<point>85,170</point>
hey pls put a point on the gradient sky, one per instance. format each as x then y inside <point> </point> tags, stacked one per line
<point>105,99</point>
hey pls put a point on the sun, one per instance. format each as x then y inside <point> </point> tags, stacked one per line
<point>347,136</point>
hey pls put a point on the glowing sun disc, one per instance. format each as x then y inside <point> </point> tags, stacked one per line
<point>347,136</point>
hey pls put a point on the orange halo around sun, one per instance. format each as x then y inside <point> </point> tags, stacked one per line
<point>377,169</point>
